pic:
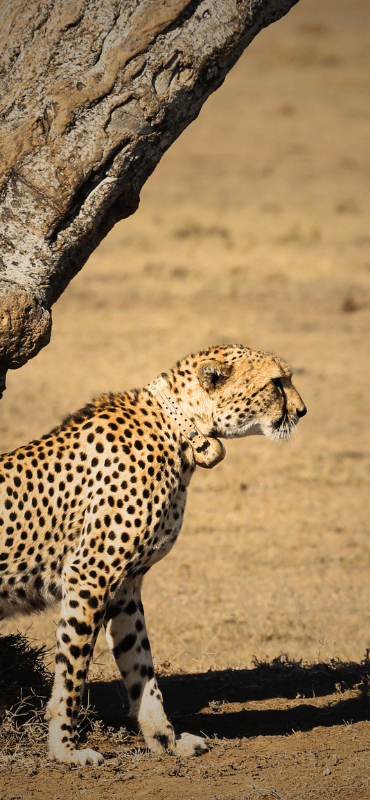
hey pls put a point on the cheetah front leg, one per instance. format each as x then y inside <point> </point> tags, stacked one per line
<point>128,640</point>
<point>77,630</point>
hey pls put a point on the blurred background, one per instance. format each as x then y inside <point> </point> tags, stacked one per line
<point>254,228</point>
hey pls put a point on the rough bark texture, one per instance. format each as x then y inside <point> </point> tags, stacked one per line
<point>92,94</point>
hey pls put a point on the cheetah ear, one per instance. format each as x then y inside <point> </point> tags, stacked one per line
<point>213,373</point>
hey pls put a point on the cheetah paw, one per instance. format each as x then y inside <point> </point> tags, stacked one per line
<point>87,756</point>
<point>82,757</point>
<point>189,745</point>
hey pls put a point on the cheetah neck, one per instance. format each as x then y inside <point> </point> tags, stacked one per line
<point>208,451</point>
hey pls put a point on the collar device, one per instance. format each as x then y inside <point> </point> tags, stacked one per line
<point>208,451</point>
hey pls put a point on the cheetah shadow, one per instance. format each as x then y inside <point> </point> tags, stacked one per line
<point>208,702</point>
<point>226,703</point>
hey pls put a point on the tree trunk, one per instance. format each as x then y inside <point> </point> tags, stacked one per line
<point>93,93</point>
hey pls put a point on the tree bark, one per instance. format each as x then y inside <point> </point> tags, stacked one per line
<point>93,92</point>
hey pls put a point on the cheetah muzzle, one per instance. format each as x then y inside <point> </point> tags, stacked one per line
<point>89,508</point>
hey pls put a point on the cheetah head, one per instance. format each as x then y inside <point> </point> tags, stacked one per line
<point>232,391</point>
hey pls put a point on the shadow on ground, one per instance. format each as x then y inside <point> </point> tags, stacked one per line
<point>219,703</point>
<point>273,698</point>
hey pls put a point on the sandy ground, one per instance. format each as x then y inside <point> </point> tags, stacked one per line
<point>254,228</point>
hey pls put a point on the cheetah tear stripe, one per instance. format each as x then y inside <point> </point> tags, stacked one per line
<point>86,510</point>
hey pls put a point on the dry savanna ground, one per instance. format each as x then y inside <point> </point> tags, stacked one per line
<point>254,228</point>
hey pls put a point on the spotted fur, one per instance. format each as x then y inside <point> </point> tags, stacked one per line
<point>87,510</point>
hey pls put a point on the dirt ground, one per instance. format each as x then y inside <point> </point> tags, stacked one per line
<point>254,228</point>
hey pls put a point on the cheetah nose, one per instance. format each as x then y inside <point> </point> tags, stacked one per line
<point>301,411</point>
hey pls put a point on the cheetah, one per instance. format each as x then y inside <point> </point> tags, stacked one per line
<point>87,510</point>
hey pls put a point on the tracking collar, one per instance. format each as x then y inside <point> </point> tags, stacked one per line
<point>208,451</point>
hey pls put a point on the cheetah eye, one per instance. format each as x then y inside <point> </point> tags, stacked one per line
<point>279,384</point>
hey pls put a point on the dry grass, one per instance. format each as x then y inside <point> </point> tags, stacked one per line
<point>25,684</point>
<point>254,228</point>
